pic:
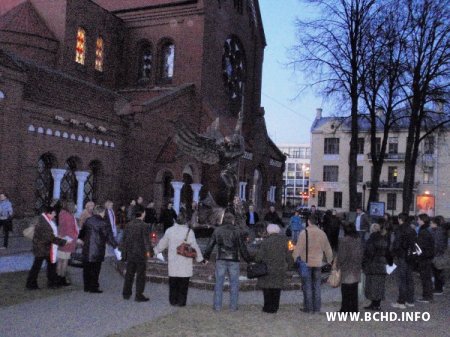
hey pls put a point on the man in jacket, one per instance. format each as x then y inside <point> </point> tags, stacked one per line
<point>273,217</point>
<point>229,246</point>
<point>425,260</point>
<point>95,233</point>
<point>313,255</point>
<point>251,217</point>
<point>362,224</point>
<point>135,249</point>
<point>403,246</point>
<point>45,247</point>
<point>6,213</point>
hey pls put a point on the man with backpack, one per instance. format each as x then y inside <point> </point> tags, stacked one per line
<point>402,250</point>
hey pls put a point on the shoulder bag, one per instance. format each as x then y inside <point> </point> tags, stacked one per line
<point>255,270</point>
<point>303,268</point>
<point>334,280</point>
<point>185,249</point>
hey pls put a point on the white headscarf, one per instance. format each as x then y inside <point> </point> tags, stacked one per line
<point>273,229</point>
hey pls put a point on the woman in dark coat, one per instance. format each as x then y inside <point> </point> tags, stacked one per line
<point>376,256</point>
<point>275,254</point>
<point>348,261</point>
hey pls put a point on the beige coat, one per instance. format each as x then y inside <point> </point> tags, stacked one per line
<point>317,245</point>
<point>179,266</point>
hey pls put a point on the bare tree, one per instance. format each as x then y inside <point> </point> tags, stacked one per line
<point>331,47</point>
<point>381,70</point>
<point>427,78</point>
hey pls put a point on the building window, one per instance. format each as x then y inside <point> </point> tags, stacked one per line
<point>391,201</point>
<point>360,145</point>
<point>392,174</point>
<point>393,145</point>
<point>167,61</point>
<point>44,182</point>
<point>322,199</point>
<point>360,174</point>
<point>330,173</point>
<point>378,145</point>
<point>337,203</point>
<point>428,177</point>
<point>291,167</point>
<point>428,145</point>
<point>145,62</point>
<point>69,183</point>
<point>234,68</point>
<point>331,146</point>
<point>99,54</point>
<point>359,200</point>
<point>80,50</point>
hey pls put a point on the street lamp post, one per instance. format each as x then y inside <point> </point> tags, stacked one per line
<point>303,184</point>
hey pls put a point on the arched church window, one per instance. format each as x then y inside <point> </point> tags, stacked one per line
<point>145,62</point>
<point>44,182</point>
<point>99,54</point>
<point>69,182</point>
<point>233,68</point>
<point>91,185</point>
<point>167,61</point>
<point>80,49</point>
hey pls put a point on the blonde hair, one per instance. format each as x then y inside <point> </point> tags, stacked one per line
<point>375,227</point>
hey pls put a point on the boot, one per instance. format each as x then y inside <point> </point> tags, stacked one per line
<point>62,281</point>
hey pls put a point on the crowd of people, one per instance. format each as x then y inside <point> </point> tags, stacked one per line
<point>363,252</point>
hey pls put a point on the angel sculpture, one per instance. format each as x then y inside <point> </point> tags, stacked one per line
<point>213,148</point>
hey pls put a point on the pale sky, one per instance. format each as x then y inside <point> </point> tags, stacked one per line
<point>288,118</point>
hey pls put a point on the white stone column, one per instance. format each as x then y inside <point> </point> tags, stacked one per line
<point>273,193</point>
<point>177,185</point>
<point>244,190</point>
<point>196,188</point>
<point>57,175</point>
<point>81,178</point>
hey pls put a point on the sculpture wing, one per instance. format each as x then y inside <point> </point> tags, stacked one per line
<point>202,148</point>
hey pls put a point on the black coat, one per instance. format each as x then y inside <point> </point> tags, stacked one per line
<point>405,238</point>
<point>426,243</point>
<point>247,218</point>
<point>275,254</point>
<point>150,216</point>
<point>229,244</point>
<point>43,238</point>
<point>273,217</point>
<point>167,217</point>
<point>376,255</point>
<point>135,243</point>
<point>96,232</point>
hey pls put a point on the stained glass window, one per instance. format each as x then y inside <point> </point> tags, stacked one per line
<point>91,185</point>
<point>145,62</point>
<point>233,68</point>
<point>99,54</point>
<point>80,50</point>
<point>69,181</point>
<point>44,182</point>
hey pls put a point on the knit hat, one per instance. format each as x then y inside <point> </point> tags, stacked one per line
<point>273,229</point>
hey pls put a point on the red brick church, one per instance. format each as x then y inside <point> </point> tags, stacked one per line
<point>89,90</point>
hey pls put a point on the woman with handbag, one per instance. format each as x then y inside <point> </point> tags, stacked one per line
<point>376,256</point>
<point>179,239</point>
<point>440,253</point>
<point>275,254</point>
<point>348,262</point>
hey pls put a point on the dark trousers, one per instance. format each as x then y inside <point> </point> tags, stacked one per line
<point>438,279</point>
<point>405,282</point>
<point>91,273</point>
<point>426,272</point>
<point>271,300</point>
<point>6,228</point>
<point>36,267</point>
<point>139,269</point>
<point>178,290</point>
<point>349,294</point>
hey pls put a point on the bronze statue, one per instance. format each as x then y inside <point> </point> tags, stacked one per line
<point>213,148</point>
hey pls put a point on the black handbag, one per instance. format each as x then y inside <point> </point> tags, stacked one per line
<point>255,270</point>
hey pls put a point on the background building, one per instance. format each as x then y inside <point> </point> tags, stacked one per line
<point>330,137</point>
<point>91,91</point>
<point>296,174</point>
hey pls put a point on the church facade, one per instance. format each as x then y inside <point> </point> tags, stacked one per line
<point>91,92</point>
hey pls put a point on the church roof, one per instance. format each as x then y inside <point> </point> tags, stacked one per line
<point>126,5</point>
<point>24,19</point>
